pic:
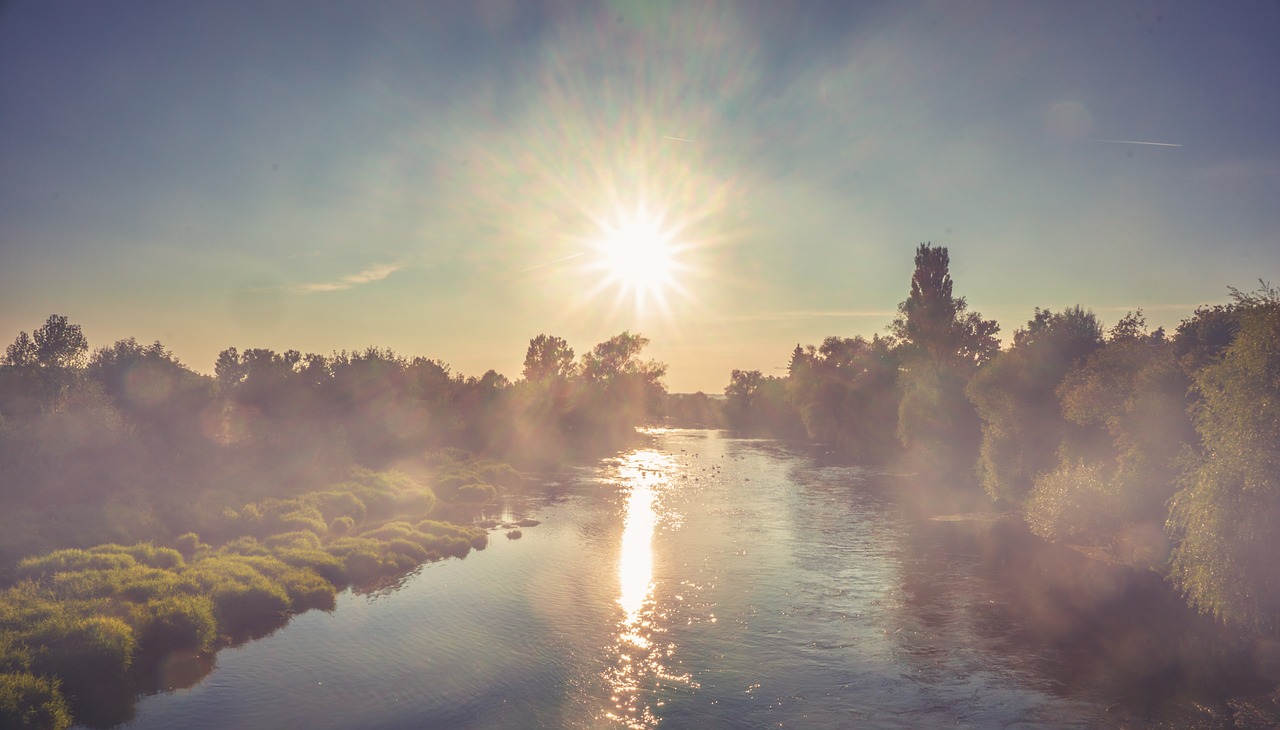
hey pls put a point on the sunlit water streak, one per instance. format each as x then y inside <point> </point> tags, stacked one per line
<point>639,670</point>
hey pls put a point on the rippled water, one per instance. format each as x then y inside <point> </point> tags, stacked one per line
<point>704,581</point>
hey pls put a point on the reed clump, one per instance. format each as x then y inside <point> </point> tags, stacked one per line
<point>73,620</point>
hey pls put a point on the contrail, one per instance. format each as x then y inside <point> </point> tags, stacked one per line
<point>554,261</point>
<point>678,139</point>
<point>1135,141</point>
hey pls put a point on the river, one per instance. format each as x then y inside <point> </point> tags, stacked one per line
<point>712,582</point>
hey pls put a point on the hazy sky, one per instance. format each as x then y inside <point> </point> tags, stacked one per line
<point>434,177</point>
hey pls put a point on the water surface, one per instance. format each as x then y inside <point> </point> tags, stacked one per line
<point>705,581</point>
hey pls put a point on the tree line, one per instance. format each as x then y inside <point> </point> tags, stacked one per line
<point>127,442</point>
<point>1161,448</point>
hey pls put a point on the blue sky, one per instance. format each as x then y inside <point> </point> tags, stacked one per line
<point>433,177</point>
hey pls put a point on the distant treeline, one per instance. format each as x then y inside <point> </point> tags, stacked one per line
<point>1163,449</point>
<point>126,442</point>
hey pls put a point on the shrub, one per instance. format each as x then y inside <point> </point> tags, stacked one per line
<point>447,485</point>
<point>15,655</point>
<point>307,590</point>
<point>136,583</point>
<point>28,702</point>
<point>84,652</point>
<point>475,494</point>
<point>242,597</point>
<point>295,539</point>
<point>363,566</point>
<point>335,504</point>
<point>188,544</point>
<point>361,558</point>
<point>301,517</point>
<point>246,546</point>
<point>504,475</point>
<point>378,502</point>
<point>392,530</point>
<point>72,560</point>
<point>175,622</point>
<point>341,526</point>
<point>24,605</point>
<point>409,549</point>
<point>327,566</point>
<point>1073,502</point>
<point>144,553</point>
<point>416,501</point>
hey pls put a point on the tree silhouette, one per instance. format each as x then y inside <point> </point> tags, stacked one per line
<point>933,322</point>
<point>548,358</point>
<point>942,345</point>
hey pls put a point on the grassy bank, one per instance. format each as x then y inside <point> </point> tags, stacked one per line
<point>79,627</point>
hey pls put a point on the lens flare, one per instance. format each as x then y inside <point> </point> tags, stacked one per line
<point>639,256</point>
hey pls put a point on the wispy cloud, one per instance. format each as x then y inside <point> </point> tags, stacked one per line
<point>1139,141</point>
<point>368,276</point>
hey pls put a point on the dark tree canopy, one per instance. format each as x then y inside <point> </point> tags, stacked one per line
<point>548,358</point>
<point>934,323</point>
<point>56,344</point>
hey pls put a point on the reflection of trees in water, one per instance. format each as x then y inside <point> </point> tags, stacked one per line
<point>1075,626</point>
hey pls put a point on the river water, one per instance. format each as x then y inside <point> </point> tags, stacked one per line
<point>711,582</point>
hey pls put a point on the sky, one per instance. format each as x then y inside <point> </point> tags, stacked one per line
<point>447,179</point>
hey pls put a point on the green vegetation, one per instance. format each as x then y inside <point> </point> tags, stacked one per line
<point>1227,515</point>
<point>78,620</point>
<point>28,702</point>
<point>126,443</point>
<point>1160,451</point>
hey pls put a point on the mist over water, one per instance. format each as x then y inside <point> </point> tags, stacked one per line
<point>705,581</point>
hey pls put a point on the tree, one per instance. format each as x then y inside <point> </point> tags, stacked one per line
<point>740,397</point>
<point>40,368</point>
<point>1126,410</point>
<point>1227,515</point>
<point>548,358</point>
<point>757,403</point>
<point>934,323</point>
<point>60,344</point>
<point>846,395</point>
<point>942,345</point>
<point>153,390</point>
<point>616,356</point>
<point>1015,396</point>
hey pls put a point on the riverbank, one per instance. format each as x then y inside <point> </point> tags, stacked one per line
<point>83,631</point>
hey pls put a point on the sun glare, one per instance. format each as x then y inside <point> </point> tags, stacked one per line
<point>638,255</point>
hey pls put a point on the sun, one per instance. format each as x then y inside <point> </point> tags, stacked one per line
<point>637,253</point>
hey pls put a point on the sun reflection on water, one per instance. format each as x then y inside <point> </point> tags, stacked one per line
<point>641,654</point>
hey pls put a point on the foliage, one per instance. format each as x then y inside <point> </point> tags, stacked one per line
<point>846,394</point>
<point>1015,397</point>
<point>28,702</point>
<point>692,410</point>
<point>548,358</point>
<point>1073,503</point>
<point>756,403</point>
<point>177,622</point>
<point>81,651</point>
<point>1227,515</point>
<point>935,325</point>
<point>941,345</point>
